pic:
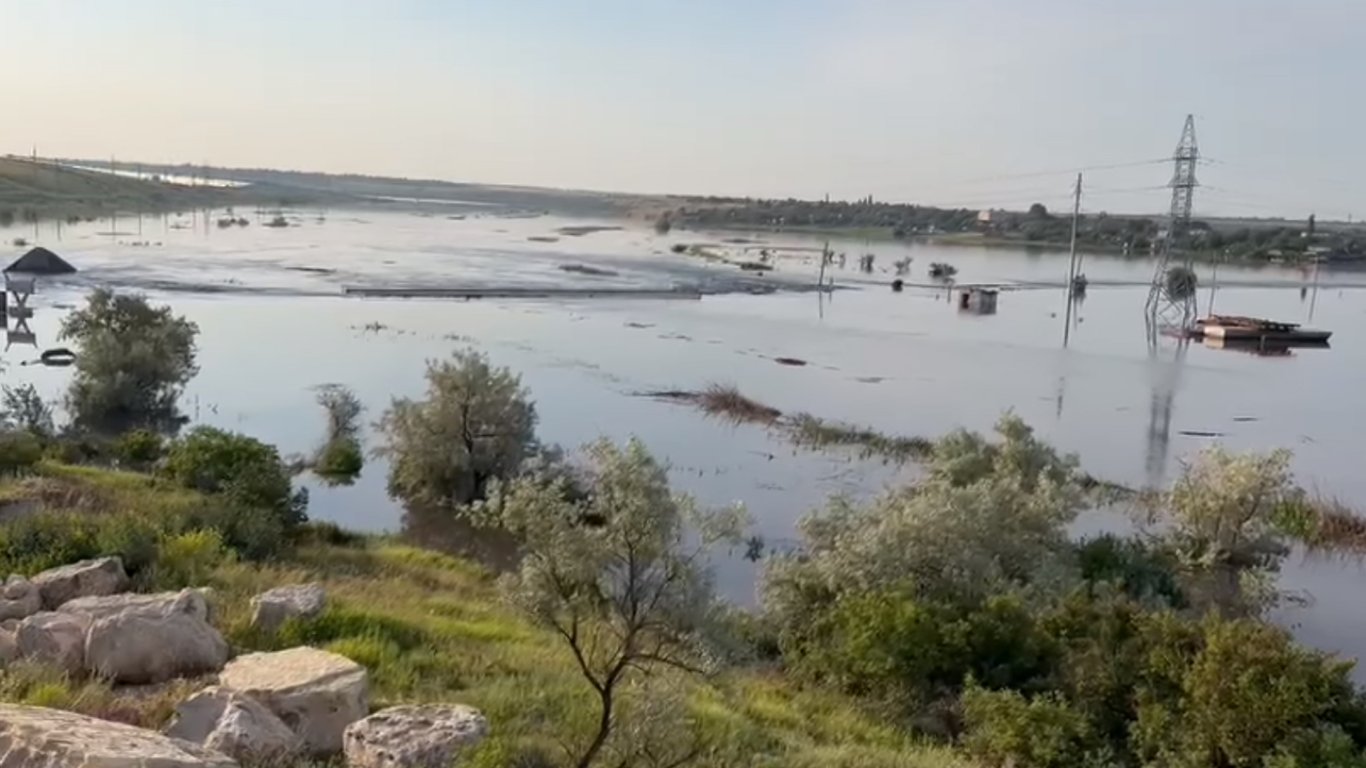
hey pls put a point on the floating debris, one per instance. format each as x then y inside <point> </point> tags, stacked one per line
<point>580,231</point>
<point>793,361</point>
<point>584,269</point>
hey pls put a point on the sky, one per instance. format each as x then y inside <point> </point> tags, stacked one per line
<point>972,103</point>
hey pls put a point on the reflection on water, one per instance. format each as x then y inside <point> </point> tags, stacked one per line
<point>273,327</point>
<point>442,530</point>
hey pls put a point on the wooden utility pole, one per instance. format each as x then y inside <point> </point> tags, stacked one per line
<point>1072,264</point>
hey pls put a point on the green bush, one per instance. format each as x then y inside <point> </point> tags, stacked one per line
<point>340,461</point>
<point>252,533</point>
<point>1139,571</point>
<point>19,452</point>
<point>134,538</point>
<point>1005,728</point>
<point>36,542</point>
<point>915,651</point>
<point>188,559</point>
<point>139,447</point>
<point>242,468</point>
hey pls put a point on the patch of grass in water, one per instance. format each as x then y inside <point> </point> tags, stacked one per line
<point>811,431</point>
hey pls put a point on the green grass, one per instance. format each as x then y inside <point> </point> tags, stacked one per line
<point>432,628</point>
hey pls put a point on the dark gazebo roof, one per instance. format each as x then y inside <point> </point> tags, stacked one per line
<point>41,261</point>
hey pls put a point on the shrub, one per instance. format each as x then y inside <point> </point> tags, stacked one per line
<point>37,542</point>
<point>132,362</point>
<point>1005,728</point>
<point>477,424</point>
<point>139,447</point>
<point>916,651</point>
<point>188,559</point>
<point>253,533</point>
<point>134,538</point>
<point>242,468</point>
<point>340,461</point>
<point>19,452</point>
<point>988,517</point>
<point>24,409</point>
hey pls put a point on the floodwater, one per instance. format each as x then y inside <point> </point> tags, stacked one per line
<point>274,325</point>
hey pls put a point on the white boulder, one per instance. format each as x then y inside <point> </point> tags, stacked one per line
<point>54,638</point>
<point>274,607</point>
<point>187,601</point>
<point>419,736</point>
<point>142,646</point>
<point>9,646</point>
<point>235,724</point>
<point>104,576</point>
<point>316,693</point>
<point>34,737</point>
<point>19,598</point>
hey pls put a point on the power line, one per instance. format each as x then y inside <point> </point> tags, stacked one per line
<point>1065,171</point>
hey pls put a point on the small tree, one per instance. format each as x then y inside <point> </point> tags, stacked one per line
<point>616,573</point>
<point>476,424</point>
<point>132,361</point>
<point>1221,519</point>
<point>339,459</point>
<point>24,409</point>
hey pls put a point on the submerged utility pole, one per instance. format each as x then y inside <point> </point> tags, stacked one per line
<point>1072,264</point>
<point>1171,298</point>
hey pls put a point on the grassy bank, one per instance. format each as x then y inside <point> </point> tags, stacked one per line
<point>427,626</point>
<point>30,191</point>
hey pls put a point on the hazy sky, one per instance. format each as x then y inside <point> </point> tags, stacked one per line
<point>936,101</point>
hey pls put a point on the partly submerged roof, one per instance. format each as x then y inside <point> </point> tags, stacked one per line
<point>41,261</point>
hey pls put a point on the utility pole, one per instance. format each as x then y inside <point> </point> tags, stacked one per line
<point>1165,309</point>
<point>1072,264</point>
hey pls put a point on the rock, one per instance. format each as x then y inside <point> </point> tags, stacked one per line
<point>272,608</point>
<point>140,645</point>
<point>235,724</point>
<point>34,737</point>
<point>316,693</point>
<point>422,736</point>
<point>9,647</point>
<point>187,601</point>
<point>19,599</point>
<point>54,638</point>
<point>104,576</point>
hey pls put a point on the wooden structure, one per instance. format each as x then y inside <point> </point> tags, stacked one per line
<point>1256,329</point>
<point>981,301</point>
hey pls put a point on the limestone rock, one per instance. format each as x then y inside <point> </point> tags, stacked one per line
<point>54,638</point>
<point>34,737</point>
<point>19,599</point>
<point>235,724</point>
<point>272,608</point>
<point>9,646</point>
<point>141,645</point>
<point>104,576</point>
<point>187,601</point>
<point>316,693</point>
<point>421,736</point>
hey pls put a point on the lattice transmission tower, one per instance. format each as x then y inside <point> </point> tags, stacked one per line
<point>1171,299</point>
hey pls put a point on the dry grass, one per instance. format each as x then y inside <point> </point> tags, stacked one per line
<point>724,402</point>
<point>1328,526</point>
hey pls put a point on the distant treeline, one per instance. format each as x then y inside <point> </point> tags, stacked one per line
<point>1134,235</point>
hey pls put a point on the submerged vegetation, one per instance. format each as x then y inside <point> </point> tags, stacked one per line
<point>804,430</point>
<point>953,622</point>
<point>340,458</point>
